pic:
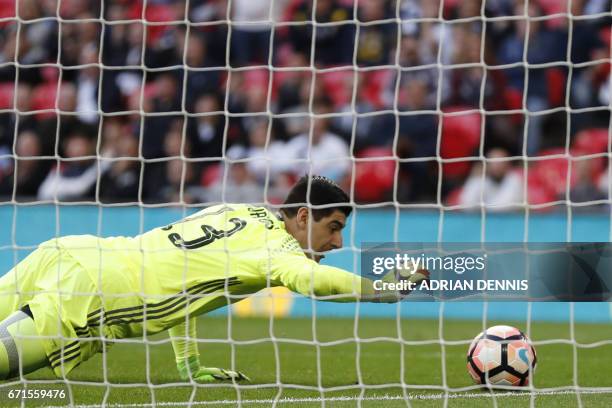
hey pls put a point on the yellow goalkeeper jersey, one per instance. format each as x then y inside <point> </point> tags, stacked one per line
<point>151,282</point>
<point>85,291</point>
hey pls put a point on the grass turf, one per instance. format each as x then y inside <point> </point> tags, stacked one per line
<point>334,365</point>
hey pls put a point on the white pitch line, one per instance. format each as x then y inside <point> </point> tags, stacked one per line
<point>411,396</point>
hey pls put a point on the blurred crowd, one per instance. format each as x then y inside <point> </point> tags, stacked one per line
<point>460,102</point>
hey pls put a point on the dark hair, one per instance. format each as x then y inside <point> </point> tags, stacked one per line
<point>323,192</point>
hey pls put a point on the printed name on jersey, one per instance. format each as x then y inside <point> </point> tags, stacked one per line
<point>261,214</point>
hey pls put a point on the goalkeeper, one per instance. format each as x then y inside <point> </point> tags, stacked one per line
<point>74,295</point>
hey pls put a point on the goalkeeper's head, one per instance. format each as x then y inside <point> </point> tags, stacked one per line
<point>315,213</point>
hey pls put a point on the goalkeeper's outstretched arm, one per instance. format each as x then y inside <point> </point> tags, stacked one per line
<point>307,277</point>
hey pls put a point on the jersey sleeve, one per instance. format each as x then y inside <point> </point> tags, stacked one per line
<point>183,340</point>
<point>305,276</point>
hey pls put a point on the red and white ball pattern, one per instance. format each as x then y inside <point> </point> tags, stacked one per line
<point>501,355</point>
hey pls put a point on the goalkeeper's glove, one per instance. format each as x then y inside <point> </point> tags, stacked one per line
<point>402,275</point>
<point>190,368</point>
<point>396,275</point>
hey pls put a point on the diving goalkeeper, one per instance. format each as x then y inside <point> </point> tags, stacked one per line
<point>60,303</point>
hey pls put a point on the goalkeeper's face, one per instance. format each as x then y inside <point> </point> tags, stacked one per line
<point>319,236</point>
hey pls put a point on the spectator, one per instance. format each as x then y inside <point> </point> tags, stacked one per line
<point>362,134</point>
<point>172,179</point>
<point>122,180</point>
<point>51,127</point>
<point>587,44</point>
<point>466,83</point>
<point>256,100</point>
<point>9,121</point>
<point>30,170</point>
<point>87,85</point>
<point>75,179</point>
<point>296,116</point>
<point>325,153</point>
<point>417,138</point>
<point>135,38</point>
<point>166,99</point>
<point>214,12</point>
<point>248,96</point>
<point>240,185</point>
<point>207,128</point>
<point>377,39</point>
<point>200,78</point>
<point>122,47</point>
<point>334,43</point>
<point>250,42</point>
<point>32,41</point>
<point>88,31</point>
<point>500,189</point>
<point>38,39</point>
<point>265,157</point>
<point>584,188</point>
<point>181,184</point>
<point>431,34</point>
<point>165,42</point>
<point>175,143</point>
<point>8,52</point>
<point>588,79</point>
<point>289,82</point>
<point>544,46</point>
<point>23,175</point>
<point>70,50</point>
<point>413,135</point>
<point>411,57</point>
<point>116,35</point>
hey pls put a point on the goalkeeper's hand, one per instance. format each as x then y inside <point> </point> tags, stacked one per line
<point>414,278</point>
<point>401,275</point>
<point>190,368</point>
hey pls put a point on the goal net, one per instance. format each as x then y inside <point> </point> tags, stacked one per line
<point>444,120</point>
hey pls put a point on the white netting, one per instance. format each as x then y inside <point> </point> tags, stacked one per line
<point>488,106</point>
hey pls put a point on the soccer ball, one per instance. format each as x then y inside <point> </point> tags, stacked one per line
<point>501,355</point>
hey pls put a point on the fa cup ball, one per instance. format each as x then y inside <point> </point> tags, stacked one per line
<point>501,355</point>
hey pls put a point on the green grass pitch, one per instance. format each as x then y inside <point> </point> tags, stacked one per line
<point>335,358</point>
